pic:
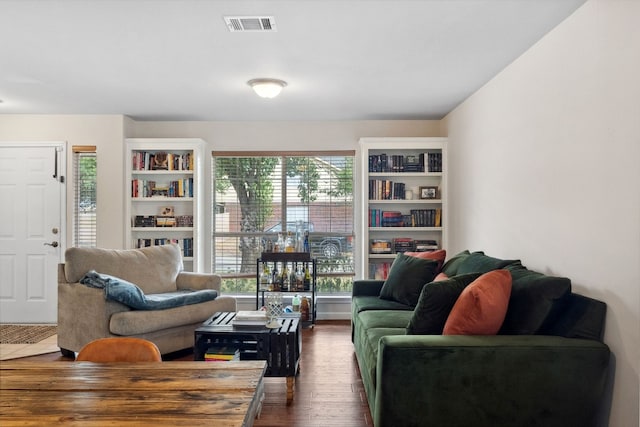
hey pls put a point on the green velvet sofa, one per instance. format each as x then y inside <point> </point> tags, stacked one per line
<point>547,366</point>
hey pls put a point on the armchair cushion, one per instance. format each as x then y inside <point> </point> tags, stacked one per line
<point>129,294</point>
<point>154,269</point>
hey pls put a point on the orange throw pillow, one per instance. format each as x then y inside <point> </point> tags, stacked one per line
<point>438,255</point>
<point>481,307</point>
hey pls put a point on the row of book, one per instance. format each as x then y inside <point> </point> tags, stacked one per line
<point>221,353</point>
<point>379,270</point>
<point>416,218</point>
<point>398,163</point>
<point>149,188</point>
<point>382,189</point>
<point>147,160</point>
<point>163,221</point>
<point>401,244</point>
<point>186,244</point>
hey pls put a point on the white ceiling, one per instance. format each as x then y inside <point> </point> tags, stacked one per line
<point>343,60</point>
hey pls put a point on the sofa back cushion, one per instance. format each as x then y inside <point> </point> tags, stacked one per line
<point>435,303</point>
<point>536,300</point>
<point>154,269</point>
<point>451,265</point>
<point>406,278</point>
<point>478,262</point>
<point>580,317</point>
<point>481,307</point>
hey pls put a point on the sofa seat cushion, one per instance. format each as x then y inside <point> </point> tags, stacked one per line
<point>154,269</point>
<point>384,318</point>
<point>370,354</point>
<point>536,301</point>
<point>365,303</point>
<point>136,322</point>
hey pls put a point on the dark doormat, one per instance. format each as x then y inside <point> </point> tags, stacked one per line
<point>25,334</point>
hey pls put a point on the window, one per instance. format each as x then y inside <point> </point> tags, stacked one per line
<point>84,199</point>
<point>256,196</point>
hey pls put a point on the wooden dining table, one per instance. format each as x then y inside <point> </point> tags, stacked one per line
<point>127,394</point>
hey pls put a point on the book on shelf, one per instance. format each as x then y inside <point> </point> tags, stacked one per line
<point>222,354</point>
<point>426,217</point>
<point>380,246</point>
<point>434,161</point>
<point>149,161</point>
<point>396,163</point>
<point>379,270</point>
<point>426,245</point>
<point>385,189</point>
<point>403,244</point>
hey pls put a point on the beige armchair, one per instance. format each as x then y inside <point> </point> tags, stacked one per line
<point>85,315</point>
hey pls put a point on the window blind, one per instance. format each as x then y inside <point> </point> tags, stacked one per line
<point>84,200</point>
<point>259,195</point>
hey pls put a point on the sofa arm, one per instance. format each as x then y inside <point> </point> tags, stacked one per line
<point>367,287</point>
<point>198,281</point>
<point>489,381</point>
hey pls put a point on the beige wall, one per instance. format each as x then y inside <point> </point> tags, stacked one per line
<point>281,136</point>
<point>547,169</point>
<point>106,133</point>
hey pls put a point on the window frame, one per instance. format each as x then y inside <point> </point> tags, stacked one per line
<point>281,155</point>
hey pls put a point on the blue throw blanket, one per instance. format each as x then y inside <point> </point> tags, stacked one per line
<point>127,293</point>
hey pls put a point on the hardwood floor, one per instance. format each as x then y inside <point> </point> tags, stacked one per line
<point>328,390</point>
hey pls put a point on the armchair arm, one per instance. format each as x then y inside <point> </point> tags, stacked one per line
<point>198,281</point>
<point>367,287</point>
<point>489,381</point>
<point>83,315</point>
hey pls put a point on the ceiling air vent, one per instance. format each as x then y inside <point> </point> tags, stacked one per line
<point>250,23</point>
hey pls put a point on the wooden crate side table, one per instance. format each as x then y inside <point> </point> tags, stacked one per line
<point>279,347</point>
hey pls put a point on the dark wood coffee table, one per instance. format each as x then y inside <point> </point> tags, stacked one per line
<point>280,347</point>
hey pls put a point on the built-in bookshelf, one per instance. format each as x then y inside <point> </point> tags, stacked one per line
<point>403,199</point>
<point>163,195</point>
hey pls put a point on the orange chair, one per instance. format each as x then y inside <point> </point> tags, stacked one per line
<point>119,349</point>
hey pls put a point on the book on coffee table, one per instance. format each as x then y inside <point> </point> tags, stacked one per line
<point>251,318</point>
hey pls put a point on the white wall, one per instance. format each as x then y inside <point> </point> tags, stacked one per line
<point>103,131</point>
<point>546,168</point>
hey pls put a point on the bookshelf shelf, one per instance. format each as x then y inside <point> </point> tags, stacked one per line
<point>391,195</point>
<point>163,229</point>
<point>163,185</point>
<point>406,202</point>
<point>161,199</point>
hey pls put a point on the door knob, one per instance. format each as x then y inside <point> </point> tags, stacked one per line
<point>54,244</point>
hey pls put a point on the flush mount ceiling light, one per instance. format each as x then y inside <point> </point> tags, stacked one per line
<point>267,88</point>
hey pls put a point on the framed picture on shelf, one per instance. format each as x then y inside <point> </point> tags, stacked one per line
<point>428,192</point>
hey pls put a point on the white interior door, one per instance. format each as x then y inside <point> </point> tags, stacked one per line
<point>31,230</point>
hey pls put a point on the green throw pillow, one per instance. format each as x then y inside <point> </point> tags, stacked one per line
<point>536,301</point>
<point>478,262</point>
<point>450,267</point>
<point>406,278</point>
<point>435,303</point>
